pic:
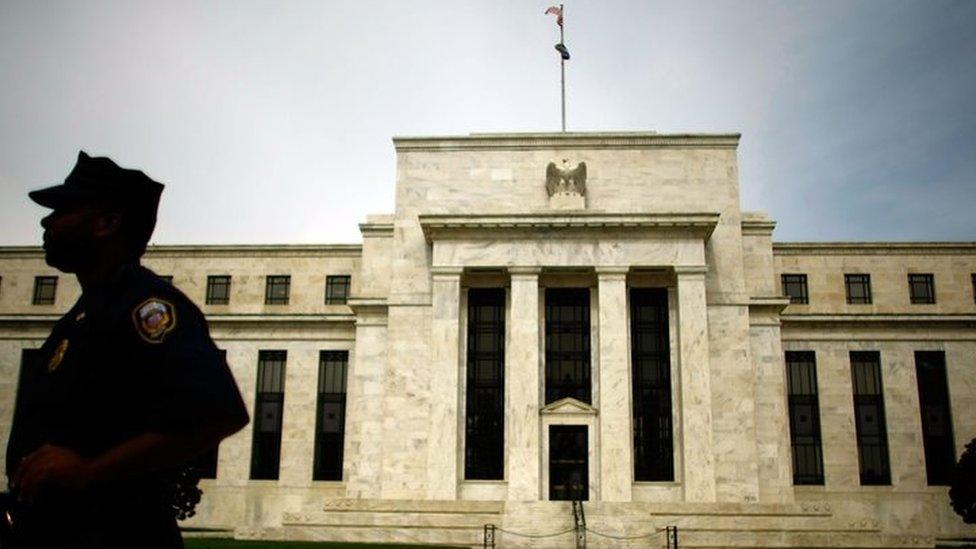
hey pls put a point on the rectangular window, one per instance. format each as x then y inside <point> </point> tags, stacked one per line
<point>336,289</point>
<point>651,371</point>
<point>801,382</point>
<point>218,290</point>
<point>484,419</point>
<point>973,276</point>
<point>206,463</point>
<point>921,288</point>
<point>567,344</point>
<point>858,288</point>
<point>869,418</point>
<point>795,287</point>
<point>276,289</point>
<point>266,449</point>
<point>45,289</point>
<point>330,417</point>
<point>933,399</point>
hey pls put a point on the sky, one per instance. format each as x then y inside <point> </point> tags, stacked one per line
<point>271,121</point>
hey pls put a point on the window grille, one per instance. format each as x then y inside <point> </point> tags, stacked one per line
<point>921,288</point>
<point>485,392</point>
<point>651,373</point>
<point>567,344</point>
<point>45,290</point>
<point>801,381</point>
<point>795,287</point>
<point>276,289</point>
<point>869,418</point>
<point>933,398</point>
<point>330,417</point>
<point>218,290</point>
<point>266,448</point>
<point>337,289</point>
<point>858,288</point>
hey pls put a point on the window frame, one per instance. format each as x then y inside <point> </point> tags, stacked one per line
<point>331,442</point>
<point>801,280</point>
<point>268,441</point>
<point>41,284</point>
<point>652,395</point>
<point>484,406</point>
<point>213,283</point>
<point>870,401</point>
<point>854,280</point>
<point>580,300</point>
<point>933,392</point>
<point>796,382</point>
<point>271,282</point>
<point>332,285</point>
<point>927,281</point>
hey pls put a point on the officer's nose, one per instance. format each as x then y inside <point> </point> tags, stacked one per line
<point>46,220</point>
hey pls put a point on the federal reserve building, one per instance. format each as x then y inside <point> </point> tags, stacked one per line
<point>566,335</point>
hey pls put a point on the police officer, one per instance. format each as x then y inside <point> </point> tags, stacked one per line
<point>130,386</point>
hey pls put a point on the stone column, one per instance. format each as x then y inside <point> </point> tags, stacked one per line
<point>522,387</point>
<point>696,393</point>
<point>616,455</point>
<point>445,328</point>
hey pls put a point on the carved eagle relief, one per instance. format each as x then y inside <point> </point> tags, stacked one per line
<point>571,180</point>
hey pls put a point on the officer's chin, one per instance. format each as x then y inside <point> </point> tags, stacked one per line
<point>60,259</point>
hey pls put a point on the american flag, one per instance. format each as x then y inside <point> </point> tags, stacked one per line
<point>558,12</point>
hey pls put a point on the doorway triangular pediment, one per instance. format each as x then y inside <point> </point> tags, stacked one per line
<point>568,406</point>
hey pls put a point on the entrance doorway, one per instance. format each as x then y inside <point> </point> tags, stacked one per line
<point>569,471</point>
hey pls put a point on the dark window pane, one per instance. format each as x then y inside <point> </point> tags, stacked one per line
<point>651,364</point>
<point>795,287</point>
<point>266,449</point>
<point>218,290</point>
<point>569,472</point>
<point>567,344</point>
<point>869,418</point>
<point>277,289</point>
<point>921,288</point>
<point>330,416</point>
<point>336,289</point>
<point>45,290</point>
<point>858,288</point>
<point>484,421</point>
<point>933,397</point>
<point>804,412</point>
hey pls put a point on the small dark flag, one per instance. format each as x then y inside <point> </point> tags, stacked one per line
<point>563,52</point>
<point>558,12</point>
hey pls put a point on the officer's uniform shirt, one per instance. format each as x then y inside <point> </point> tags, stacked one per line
<point>133,357</point>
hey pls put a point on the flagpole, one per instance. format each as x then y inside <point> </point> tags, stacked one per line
<point>562,65</point>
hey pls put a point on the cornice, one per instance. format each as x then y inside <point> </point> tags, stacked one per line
<point>441,227</point>
<point>378,230</point>
<point>215,250</point>
<point>774,304</point>
<point>564,140</point>
<point>758,227</point>
<point>874,248</point>
<point>888,319</point>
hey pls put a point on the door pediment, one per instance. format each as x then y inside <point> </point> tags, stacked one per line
<point>568,407</point>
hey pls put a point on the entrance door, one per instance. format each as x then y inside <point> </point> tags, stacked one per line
<point>569,471</point>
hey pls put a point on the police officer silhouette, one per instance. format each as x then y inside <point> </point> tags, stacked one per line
<point>129,387</point>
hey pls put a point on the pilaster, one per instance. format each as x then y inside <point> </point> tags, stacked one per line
<point>522,387</point>
<point>445,327</point>
<point>616,457</point>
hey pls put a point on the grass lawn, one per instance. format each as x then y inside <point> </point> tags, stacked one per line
<point>222,543</point>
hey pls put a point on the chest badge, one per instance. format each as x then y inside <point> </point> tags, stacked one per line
<point>57,356</point>
<point>154,318</point>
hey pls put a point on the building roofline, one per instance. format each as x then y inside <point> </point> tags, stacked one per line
<point>874,248</point>
<point>564,140</point>
<point>170,250</point>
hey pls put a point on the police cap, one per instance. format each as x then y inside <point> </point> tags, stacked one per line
<point>99,178</point>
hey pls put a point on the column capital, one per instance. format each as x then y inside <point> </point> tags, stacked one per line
<point>447,272</point>
<point>611,271</point>
<point>686,270</point>
<point>524,271</point>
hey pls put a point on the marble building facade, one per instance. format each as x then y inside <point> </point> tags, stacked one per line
<point>570,290</point>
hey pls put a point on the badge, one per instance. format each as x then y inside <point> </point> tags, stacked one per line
<point>154,319</point>
<point>58,356</point>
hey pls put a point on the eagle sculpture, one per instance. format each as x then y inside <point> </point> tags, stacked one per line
<point>566,180</point>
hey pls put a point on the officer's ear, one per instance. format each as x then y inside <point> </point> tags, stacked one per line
<point>108,223</point>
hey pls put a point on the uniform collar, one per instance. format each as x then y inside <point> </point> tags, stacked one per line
<point>94,298</point>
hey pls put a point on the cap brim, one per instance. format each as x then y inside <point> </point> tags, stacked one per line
<point>61,195</point>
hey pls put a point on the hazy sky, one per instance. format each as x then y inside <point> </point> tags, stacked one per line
<point>270,122</point>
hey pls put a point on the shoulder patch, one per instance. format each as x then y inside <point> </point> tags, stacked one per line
<point>154,318</point>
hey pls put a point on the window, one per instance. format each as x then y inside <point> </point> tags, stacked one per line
<point>45,288</point>
<point>651,371</point>
<point>801,382</point>
<point>484,419</point>
<point>795,287</point>
<point>218,290</point>
<point>933,399</point>
<point>167,278</point>
<point>206,463</point>
<point>921,288</point>
<point>336,289</point>
<point>869,418</point>
<point>330,417</point>
<point>973,276</point>
<point>858,288</point>
<point>567,344</point>
<point>266,449</point>
<point>276,290</point>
